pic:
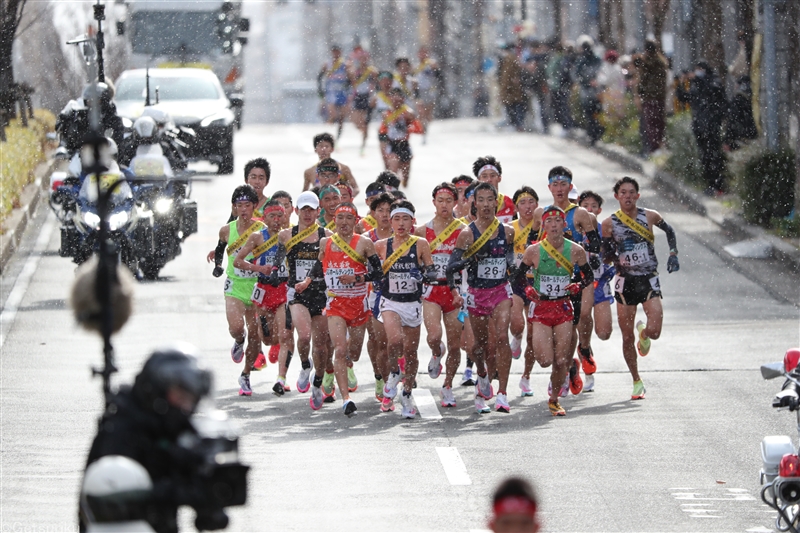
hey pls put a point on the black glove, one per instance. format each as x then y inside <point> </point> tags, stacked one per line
<point>207,520</point>
<point>672,264</point>
<point>218,271</point>
<point>594,261</point>
<point>274,280</point>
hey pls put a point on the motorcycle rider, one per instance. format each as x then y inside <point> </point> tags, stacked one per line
<point>73,120</point>
<point>149,159</point>
<point>145,422</point>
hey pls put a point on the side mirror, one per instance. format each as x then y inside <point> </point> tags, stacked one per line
<point>236,101</point>
<point>772,370</point>
<point>244,24</point>
<point>120,27</point>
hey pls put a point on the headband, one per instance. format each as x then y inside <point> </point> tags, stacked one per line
<point>559,177</point>
<point>487,167</point>
<point>523,196</point>
<point>243,198</point>
<point>514,505</point>
<point>401,210</point>
<point>345,209</point>
<point>444,190</point>
<point>327,169</point>
<point>552,212</point>
<point>468,193</point>
<point>328,189</point>
<point>373,193</point>
<point>274,208</point>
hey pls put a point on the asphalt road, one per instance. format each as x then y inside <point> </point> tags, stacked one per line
<point>684,459</point>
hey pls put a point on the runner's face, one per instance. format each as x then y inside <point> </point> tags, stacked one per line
<point>444,203</point>
<point>514,523</point>
<point>627,195</point>
<point>486,204</point>
<point>324,149</point>
<point>328,178</point>
<point>591,205</point>
<point>382,215</point>
<point>560,190</point>
<point>554,226</point>
<point>526,207</point>
<point>257,179</point>
<point>404,68</point>
<point>287,209</point>
<point>385,84</point>
<point>344,194</point>
<point>402,224</point>
<point>397,100</point>
<point>244,209</point>
<point>490,176</point>
<point>273,220</point>
<point>330,201</point>
<point>345,222</point>
<point>307,215</point>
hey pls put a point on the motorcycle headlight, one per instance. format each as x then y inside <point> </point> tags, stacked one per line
<point>163,205</point>
<point>91,219</point>
<point>117,220</point>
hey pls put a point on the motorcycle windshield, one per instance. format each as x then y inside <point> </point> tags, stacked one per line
<point>89,188</point>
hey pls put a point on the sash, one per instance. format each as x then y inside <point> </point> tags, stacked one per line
<point>483,239</point>
<point>643,232</point>
<point>391,117</point>
<point>392,259</point>
<point>562,261</point>
<point>259,250</point>
<point>345,247</point>
<point>369,219</point>
<point>443,236</point>
<point>385,98</point>
<point>331,225</point>
<point>238,243</point>
<point>422,66</point>
<point>335,67</point>
<point>301,236</point>
<point>542,234</point>
<point>501,200</point>
<point>523,234</point>
<point>401,83</point>
<point>367,73</point>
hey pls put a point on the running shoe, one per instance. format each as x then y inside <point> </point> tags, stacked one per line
<point>575,381</point>
<point>435,367</point>
<point>408,406</point>
<point>304,379</point>
<point>525,387</point>
<point>387,405</point>
<point>448,399</point>
<point>260,362</point>
<point>638,390</point>
<point>484,388</point>
<point>401,362</point>
<point>317,398</point>
<point>244,385</point>
<point>329,387</point>
<point>237,352</point>
<point>379,383</point>
<point>466,380</point>
<point>501,403</point>
<point>644,343</point>
<point>516,346</point>
<point>588,383</point>
<point>349,408</point>
<point>352,382</point>
<point>274,351</point>
<point>390,389</point>
<point>564,388</point>
<point>587,360</point>
<point>480,406</point>
<point>556,409</point>
<point>278,387</point>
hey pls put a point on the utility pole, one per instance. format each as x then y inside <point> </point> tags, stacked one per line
<point>775,75</point>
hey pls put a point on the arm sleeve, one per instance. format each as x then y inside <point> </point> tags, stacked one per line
<point>587,276</point>
<point>518,274</point>
<point>609,248</point>
<point>316,270</point>
<point>429,274</point>
<point>280,255</point>
<point>455,265</point>
<point>593,240</point>
<point>673,243</point>
<point>219,252</point>
<point>374,269</point>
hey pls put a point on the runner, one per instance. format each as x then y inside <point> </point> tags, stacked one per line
<point>488,170</point>
<point>239,284</point>
<point>342,260</point>
<point>463,205</point>
<point>345,192</point>
<point>487,253</point>
<point>441,303</point>
<point>327,172</point>
<point>628,241</point>
<point>333,84</point>
<point>329,199</point>
<point>323,146</point>
<point>553,260</point>
<point>368,222</point>
<point>285,199</point>
<point>465,186</point>
<point>390,180</point>
<point>382,103</point>
<point>258,255</point>
<point>401,79</point>
<point>398,123</point>
<point>427,76</point>
<point>603,295</point>
<point>526,201</point>
<point>362,79</point>
<point>406,264</point>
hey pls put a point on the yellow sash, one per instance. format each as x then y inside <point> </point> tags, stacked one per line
<point>238,243</point>
<point>369,219</point>
<point>402,84</point>
<point>392,259</point>
<point>391,117</point>
<point>335,67</point>
<point>565,263</point>
<point>367,73</point>
<point>331,225</point>
<point>501,200</point>
<point>635,226</point>
<point>272,241</point>
<point>523,234</point>
<point>443,236</point>
<point>385,98</point>
<point>483,239</point>
<point>422,65</point>
<point>567,210</point>
<point>343,246</point>
<point>301,236</point>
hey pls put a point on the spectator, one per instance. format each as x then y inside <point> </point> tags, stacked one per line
<point>514,507</point>
<point>612,81</point>
<point>652,90</point>
<point>535,81</point>
<point>559,80</point>
<point>706,99</point>
<point>512,95</point>
<point>587,67</point>
<point>741,125</point>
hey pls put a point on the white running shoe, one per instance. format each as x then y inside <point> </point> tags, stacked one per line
<point>564,388</point>
<point>448,399</point>
<point>525,387</point>
<point>480,406</point>
<point>588,383</point>
<point>244,385</point>
<point>408,406</point>
<point>304,380</point>
<point>317,398</point>
<point>484,387</point>
<point>501,404</point>
<point>467,380</point>
<point>435,367</point>
<point>516,346</point>
<point>390,389</point>
<point>237,352</point>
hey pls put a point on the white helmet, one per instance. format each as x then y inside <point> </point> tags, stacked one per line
<point>145,127</point>
<point>156,113</point>
<point>115,489</point>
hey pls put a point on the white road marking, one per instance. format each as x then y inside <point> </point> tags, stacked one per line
<point>426,404</point>
<point>24,279</point>
<point>759,529</point>
<point>453,466</point>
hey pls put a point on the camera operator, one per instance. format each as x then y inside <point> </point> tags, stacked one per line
<point>150,423</point>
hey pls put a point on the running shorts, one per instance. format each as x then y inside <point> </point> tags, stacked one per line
<point>241,289</point>
<point>410,313</point>
<point>481,302</point>
<point>551,313</point>
<point>401,149</point>
<point>373,302</point>
<point>440,295</point>
<point>519,290</point>
<point>354,311</point>
<point>361,102</point>
<point>602,291</point>
<point>313,298</point>
<point>269,297</point>
<point>635,290</point>
<point>337,98</point>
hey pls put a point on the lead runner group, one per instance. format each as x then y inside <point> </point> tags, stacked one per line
<point>486,265</point>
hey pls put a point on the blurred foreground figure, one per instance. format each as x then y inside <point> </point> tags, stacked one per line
<point>514,507</point>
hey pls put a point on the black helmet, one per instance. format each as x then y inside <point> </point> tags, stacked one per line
<point>106,93</point>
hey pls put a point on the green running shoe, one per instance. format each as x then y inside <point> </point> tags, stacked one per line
<point>329,387</point>
<point>352,382</point>
<point>638,390</point>
<point>644,343</point>
<point>379,389</point>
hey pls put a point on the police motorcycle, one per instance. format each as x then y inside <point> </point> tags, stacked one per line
<point>780,472</point>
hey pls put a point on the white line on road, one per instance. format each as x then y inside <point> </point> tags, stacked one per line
<point>426,404</point>
<point>14,299</point>
<point>454,467</point>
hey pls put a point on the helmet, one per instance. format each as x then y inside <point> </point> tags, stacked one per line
<point>160,116</point>
<point>145,127</point>
<point>115,489</point>
<point>791,359</point>
<point>103,89</point>
<point>172,366</point>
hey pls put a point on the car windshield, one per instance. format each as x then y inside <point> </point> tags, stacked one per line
<point>169,88</point>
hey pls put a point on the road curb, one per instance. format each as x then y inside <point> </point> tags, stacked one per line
<point>712,209</point>
<point>14,226</point>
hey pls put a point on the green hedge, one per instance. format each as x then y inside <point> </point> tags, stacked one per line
<point>684,159</point>
<point>767,185</point>
<point>24,149</point>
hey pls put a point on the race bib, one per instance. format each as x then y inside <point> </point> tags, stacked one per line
<point>655,283</point>
<point>401,283</point>
<point>332,278</point>
<point>440,262</point>
<point>553,286</point>
<point>426,292</point>
<point>244,273</point>
<point>619,284</point>
<point>518,258</point>
<point>303,267</point>
<point>607,290</point>
<point>636,255</point>
<point>492,268</point>
<point>258,295</point>
<point>228,288</point>
<point>283,271</point>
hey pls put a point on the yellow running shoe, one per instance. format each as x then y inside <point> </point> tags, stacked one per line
<point>643,346</point>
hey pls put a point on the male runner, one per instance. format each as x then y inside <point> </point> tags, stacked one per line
<point>426,76</point>
<point>368,222</point>
<point>463,211</point>
<point>463,206</point>
<point>381,103</point>
<point>487,169</point>
<point>362,80</point>
<point>553,260</point>
<point>404,256</point>
<point>440,302</point>
<point>401,79</point>
<point>329,199</point>
<point>334,82</point>
<point>628,242</point>
<point>390,180</point>
<point>323,146</point>
<point>486,250</point>
<point>398,123</point>
<point>345,192</point>
<point>285,199</point>
<point>327,172</point>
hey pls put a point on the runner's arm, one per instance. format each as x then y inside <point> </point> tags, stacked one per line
<point>673,265</point>
<point>374,269</point>
<point>609,245</point>
<point>456,264</point>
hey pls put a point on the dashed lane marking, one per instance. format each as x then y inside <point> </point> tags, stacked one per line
<point>426,404</point>
<point>453,466</point>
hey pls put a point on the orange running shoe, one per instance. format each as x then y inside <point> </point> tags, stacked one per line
<point>274,350</point>
<point>575,381</point>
